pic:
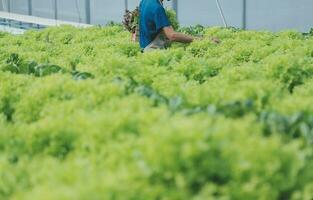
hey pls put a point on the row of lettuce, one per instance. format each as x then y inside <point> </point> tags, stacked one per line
<point>85,115</point>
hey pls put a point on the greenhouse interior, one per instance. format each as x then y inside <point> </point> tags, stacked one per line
<point>156,100</point>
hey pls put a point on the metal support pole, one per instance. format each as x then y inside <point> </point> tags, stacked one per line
<point>3,5</point>
<point>30,7</point>
<point>175,6</point>
<point>55,7</point>
<point>9,5</point>
<point>87,7</point>
<point>126,4</point>
<point>221,13</point>
<point>244,15</point>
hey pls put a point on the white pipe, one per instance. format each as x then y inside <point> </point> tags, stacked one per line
<point>221,13</point>
<point>40,20</point>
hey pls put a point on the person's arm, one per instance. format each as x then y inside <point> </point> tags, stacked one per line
<point>174,36</point>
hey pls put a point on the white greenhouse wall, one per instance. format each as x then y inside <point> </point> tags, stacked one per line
<point>42,8</point>
<point>71,11</point>
<point>19,6</point>
<point>260,14</point>
<point>280,14</point>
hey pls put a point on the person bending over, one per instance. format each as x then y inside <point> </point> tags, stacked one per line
<point>155,28</point>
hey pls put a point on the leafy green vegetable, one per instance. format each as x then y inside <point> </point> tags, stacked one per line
<point>82,75</point>
<point>132,18</point>
<point>47,69</point>
<point>198,121</point>
<point>171,14</point>
<point>197,30</point>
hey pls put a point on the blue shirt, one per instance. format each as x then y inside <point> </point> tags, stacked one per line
<point>153,19</point>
